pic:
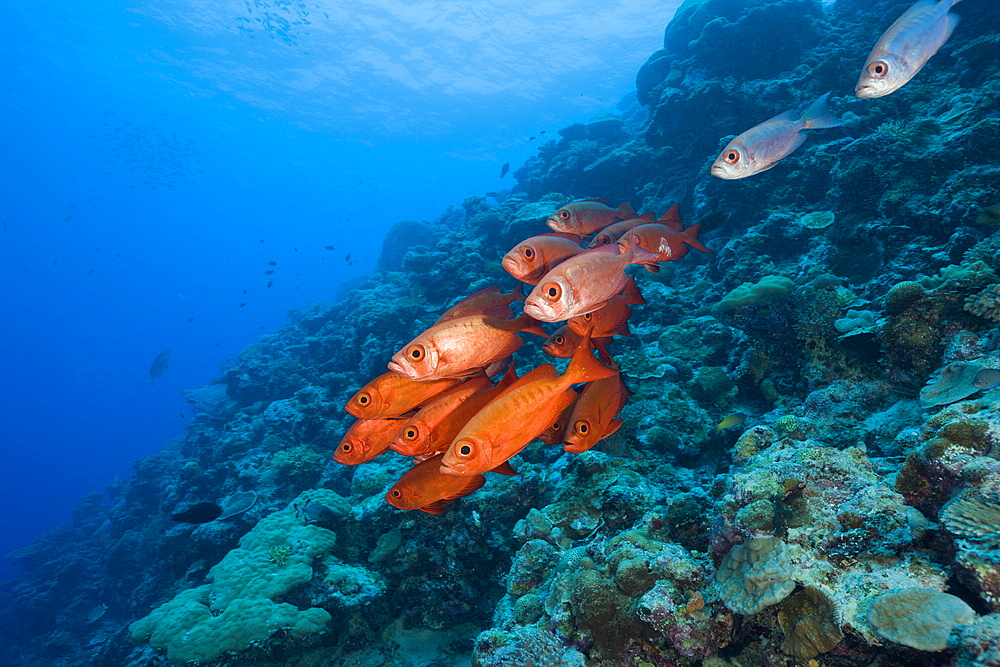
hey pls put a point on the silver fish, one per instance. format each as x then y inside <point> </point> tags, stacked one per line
<point>906,46</point>
<point>759,148</point>
<point>986,379</point>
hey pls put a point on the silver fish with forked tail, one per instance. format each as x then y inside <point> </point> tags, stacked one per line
<point>906,46</point>
<point>759,148</point>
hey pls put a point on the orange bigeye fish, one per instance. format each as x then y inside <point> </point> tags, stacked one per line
<point>614,231</point>
<point>563,343</point>
<point>609,320</point>
<point>366,439</point>
<point>425,488</point>
<point>666,243</point>
<point>906,47</point>
<point>534,257</point>
<point>759,148</point>
<point>519,415</point>
<point>583,282</point>
<point>489,299</point>
<point>462,345</point>
<point>595,415</point>
<point>553,435</point>
<point>585,217</point>
<point>390,395</point>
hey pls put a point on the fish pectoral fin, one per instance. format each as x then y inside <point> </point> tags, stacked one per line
<point>472,484</point>
<point>504,469</point>
<point>615,424</point>
<point>435,507</point>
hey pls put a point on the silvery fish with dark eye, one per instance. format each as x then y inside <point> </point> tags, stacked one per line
<point>986,379</point>
<point>906,46</point>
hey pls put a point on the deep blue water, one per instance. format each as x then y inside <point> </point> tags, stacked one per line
<point>146,149</point>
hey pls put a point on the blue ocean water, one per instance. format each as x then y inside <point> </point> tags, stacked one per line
<point>156,156</point>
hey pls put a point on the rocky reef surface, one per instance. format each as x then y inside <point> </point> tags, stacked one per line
<point>851,518</point>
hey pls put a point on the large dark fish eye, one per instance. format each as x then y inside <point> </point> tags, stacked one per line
<point>528,252</point>
<point>395,493</point>
<point>559,340</point>
<point>363,400</point>
<point>465,451</point>
<point>603,239</point>
<point>587,317</point>
<point>557,426</point>
<point>416,352</point>
<point>582,427</point>
<point>346,447</point>
<point>552,291</point>
<point>564,214</point>
<point>410,433</point>
<point>879,68</point>
<point>732,157</point>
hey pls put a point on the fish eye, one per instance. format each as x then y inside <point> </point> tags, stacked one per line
<point>528,252</point>
<point>603,239</point>
<point>564,214</point>
<point>557,426</point>
<point>552,291</point>
<point>346,447</point>
<point>464,450</point>
<point>732,157</point>
<point>879,68</point>
<point>410,433</point>
<point>396,493</point>
<point>364,400</point>
<point>587,317</point>
<point>582,427</point>
<point>416,352</point>
<point>559,340</point>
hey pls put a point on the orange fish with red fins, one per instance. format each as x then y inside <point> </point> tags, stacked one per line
<point>366,439</point>
<point>595,414</point>
<point>665,243</point>
<point>587,216</point>
<point>534,257</point>
<point>424,487</point>
<point>390,395</point>
<point>613,232</point>
<point>563,343</point>
<point>609,320</point>
<point>487,300</point>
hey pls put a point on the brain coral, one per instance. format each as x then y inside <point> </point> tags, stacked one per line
<point>918,617</point>
<point>755,575</point>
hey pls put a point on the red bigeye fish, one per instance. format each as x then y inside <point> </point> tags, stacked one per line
<point>460,346</point>
<point>563,343</point>
<point>583,283</point>
<point>534,257</point>
<point>390,395</point>
<point>759,148</point>
<point>553,435</point>
<point>585,217</point>
<point>614,231</point>
<point>425,488</point>
<point>366,439</point>
<point>609,320</point>
<point>595,415</point>
<point>487,300</point>
<point>666,243</point>
<point>519,415</point>
<point>906,47</point>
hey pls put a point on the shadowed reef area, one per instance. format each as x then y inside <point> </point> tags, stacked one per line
<point>847,519</point>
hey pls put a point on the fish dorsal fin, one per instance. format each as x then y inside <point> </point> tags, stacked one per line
<point>597,201</point>
<point>543,372</point>
<point>690,236</point>
<point>672,218</point>
<point>626,211</point>
<point>524,323</point>
<point>584,367</point>
<point>575,238</point>
<point>504,469</point>
<point>785,116</point>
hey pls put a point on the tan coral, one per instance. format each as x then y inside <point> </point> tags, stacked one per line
<point>918,617</point>
<point>809,621</point>
<point>755,575</point>
<point>985,303</point>
<point>973,516</point>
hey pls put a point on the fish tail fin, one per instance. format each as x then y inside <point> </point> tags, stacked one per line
<point>516,294</point>
<point>626,211</point>
<point>584,366</point>
<point>691,238</point>
<point>601,345</point>
<point>818,115</point>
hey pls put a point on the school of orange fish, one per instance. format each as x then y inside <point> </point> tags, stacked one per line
<point>438,402</point>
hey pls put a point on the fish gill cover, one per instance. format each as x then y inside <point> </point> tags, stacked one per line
<point>805,531</point>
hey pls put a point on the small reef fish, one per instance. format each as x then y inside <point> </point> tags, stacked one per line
<point>587,216</point>
<point>200,513</point>
<point>666,243</point>
<point>366,439</point>
<point>424,487</point>
<point>160,364</point>
<point>96,613</point>
<point>990,215</point>
<point>614,231</point>
<point>584,283</point>
<point>761,147</point>
<point>461,346</point>
<point>563,343</point>
<point>487,300</point>
<point>986,379</point>
<point>330,247</point>
<point>553,435</point>
<point>519,415</point>
<point>609,320</point>
<point>731,421</point>
<point>423,432</point>
<point>504,169</point>
<point>906,47</point>
<point>536,256</point>
<point>391,395</point>
<point>595,415</point>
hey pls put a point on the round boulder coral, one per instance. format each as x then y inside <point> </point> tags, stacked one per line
<point>755,575</point>
<point>918,617</point>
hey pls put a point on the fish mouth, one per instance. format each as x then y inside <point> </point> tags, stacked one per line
<point>446,469</point>
<point>865,91</point>
<point>717,170</point>
<point>509,265</point>
<point>396,368</point>
<point>554,223</point>
<point>534,310</point>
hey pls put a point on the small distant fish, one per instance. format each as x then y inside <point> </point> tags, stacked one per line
<point>329,247</point>
<point>504,169</point>
<point>160,364</point>
<point>200,513</point>
<point>190,320</point>
<point>272,263</point>
<point>96,613</point>
<point>761,147</point>
<point>731,421</point>
<point>531,138</point>
<point>990,215</point>
<point>906,47</point>
<point>295,249</point>
<point>269,272</point>
<point>242,305</point>
<point>244,291</point>
<point>986,379</point>
<point>90,273</point>
<point>347,258</point>
<point>67,218</point>
<point>542,132</point>
<point>262,240</point>
<point>494,195</point>
<point>182,415</point>
<point>270,282</point>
